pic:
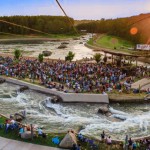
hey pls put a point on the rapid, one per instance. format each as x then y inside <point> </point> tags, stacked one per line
<point>134,120</point>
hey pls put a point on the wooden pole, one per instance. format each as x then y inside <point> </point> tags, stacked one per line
<point>126,142</point>
<point>136,61</point>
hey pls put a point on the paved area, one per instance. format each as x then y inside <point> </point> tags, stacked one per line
<point>142,83</point>
<point>146,87</point>
<point>7,144</point>
<point>66,97</point>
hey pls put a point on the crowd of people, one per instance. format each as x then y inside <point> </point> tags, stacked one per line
<point>11,125</point>
<point>66,76</point>
<point>127,144</point>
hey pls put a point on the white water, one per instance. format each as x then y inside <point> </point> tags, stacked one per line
<point>61,117</point>
<point>34,49</point>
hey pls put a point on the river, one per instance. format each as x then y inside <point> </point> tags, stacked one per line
<point>33,49</point>
<point>61,117</point>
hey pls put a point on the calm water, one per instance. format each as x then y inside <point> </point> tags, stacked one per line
<point>61,117</point>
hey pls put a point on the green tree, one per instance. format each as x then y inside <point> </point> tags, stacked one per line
<point>17,54</point>
<point>69,56</point>
<point>105,59</point>
<point>97,57</point>
<point>40,58</point>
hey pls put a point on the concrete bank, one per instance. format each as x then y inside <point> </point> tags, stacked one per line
<point>143,83</point>
<point>7,144</point>
<point>115,98</point>
<point>65,97</point>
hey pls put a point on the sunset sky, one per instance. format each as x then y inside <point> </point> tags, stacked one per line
<point>78,9</point>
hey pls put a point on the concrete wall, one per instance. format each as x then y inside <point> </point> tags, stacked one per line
<point>66,97</point>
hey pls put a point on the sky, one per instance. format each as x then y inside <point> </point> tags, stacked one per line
<point>77,9</point>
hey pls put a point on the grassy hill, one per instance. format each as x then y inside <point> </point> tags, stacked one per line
<point>112,42</point>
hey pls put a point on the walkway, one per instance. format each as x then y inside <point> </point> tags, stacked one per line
<point>145,82</point>
<point>7,144</point>
<point>66,97</point>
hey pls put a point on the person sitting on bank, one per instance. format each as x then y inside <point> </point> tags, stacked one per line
<point>40,133</point>
<point>108,140</point>
<point>21,130</point>
<point>80,137</point>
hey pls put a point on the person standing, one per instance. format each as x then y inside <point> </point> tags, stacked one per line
<point>103,136</point>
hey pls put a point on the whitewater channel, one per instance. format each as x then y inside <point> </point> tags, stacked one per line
<point>61,117</point>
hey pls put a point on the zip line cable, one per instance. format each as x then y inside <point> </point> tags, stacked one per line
<point>25,27</point>
<point>140,20</point>
<point>66,16</point>
<point>35,30</point>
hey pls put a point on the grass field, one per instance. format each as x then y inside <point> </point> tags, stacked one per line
<point>113,42</point>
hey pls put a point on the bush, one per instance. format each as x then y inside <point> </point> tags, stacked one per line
<point>70,56</point>
<point>40,58</point>
<point>97,57</point>
<point>17,54</point>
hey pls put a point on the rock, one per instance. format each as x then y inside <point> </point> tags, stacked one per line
<point>56,99</point>
<point>68,140</point>
<point>108,114</point>
<point>63,43</point>
<point>62,46</point>
<point>47,53</point>
<point>2,80</point>
<point>81,43</point>
<point>23,88</point>
<point>75,38</point>
<point>19,116</point>
<point>103,110</point>
<point>26,135</point>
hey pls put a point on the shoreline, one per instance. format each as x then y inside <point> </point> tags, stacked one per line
<point>94,138</point>
<point>35,39</point>
<point>112,98</point>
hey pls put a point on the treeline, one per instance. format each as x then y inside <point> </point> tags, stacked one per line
<point>118,27</point>
<point>48,24</point>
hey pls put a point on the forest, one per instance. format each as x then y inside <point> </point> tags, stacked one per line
<point>62,25</point>
<point>48,24</point>
<point>118,27</point>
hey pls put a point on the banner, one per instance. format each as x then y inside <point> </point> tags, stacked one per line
<point>143,47</point>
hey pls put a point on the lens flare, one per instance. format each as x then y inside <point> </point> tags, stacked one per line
<point>133,31</point>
